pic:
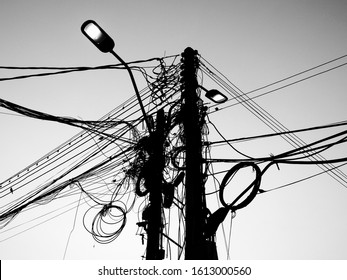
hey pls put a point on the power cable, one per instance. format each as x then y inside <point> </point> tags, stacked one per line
<point>300,180</point>
<point>264,116</point>
<point>303,72</point>
<point>249,138</point>
<point>52,188</point>
<point>66,70</point>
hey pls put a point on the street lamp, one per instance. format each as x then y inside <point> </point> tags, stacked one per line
<point>97,36</point>
<point>105,44</point>
<point>215,95</point>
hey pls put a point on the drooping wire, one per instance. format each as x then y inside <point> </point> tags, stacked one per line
<point>101,170</point>
<point>73,226</point>
<point>225,140</point>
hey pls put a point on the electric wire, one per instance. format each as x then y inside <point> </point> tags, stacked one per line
<point>265,117</point>
<point>94,158</point>
<point>66,70</point>
<point>73,227</point>
<point>266,190</point>
<point>249,138</point>
<point>124,112</point>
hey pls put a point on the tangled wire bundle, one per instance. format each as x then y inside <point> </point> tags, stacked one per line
<point>108,223</point>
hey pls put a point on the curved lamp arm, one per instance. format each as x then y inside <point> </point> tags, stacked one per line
<point>104,43</point>
<point>149,126</point>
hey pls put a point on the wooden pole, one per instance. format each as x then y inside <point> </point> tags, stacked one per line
<point>194,209</point>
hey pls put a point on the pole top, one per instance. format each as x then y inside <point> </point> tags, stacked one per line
<point>189,51</point>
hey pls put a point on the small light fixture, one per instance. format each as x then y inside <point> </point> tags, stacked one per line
<point>215,95</point>
<point>97,36</point>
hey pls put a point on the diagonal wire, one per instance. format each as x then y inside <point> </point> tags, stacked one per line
<point>266,117</point>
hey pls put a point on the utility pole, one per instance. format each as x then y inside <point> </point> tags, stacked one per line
<point>195,203</point>
<point>153,182</point>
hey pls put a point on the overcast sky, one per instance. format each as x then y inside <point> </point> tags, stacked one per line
<point>253,43</point>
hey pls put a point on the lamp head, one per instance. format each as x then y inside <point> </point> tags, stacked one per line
<point>97,36</point>
<point>216,96</point>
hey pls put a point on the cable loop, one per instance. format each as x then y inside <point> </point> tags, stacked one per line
<point>254,185</point>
